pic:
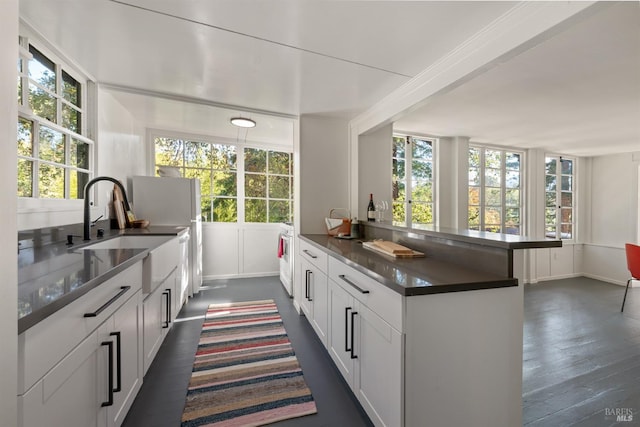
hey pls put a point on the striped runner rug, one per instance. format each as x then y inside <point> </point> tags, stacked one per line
<point>245,371</point>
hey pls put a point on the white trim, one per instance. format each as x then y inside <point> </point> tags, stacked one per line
<point>522,27</point>
<point>53,53</point>
<point>192,100</point>
<point>607,279</point>
<point>240,276</point>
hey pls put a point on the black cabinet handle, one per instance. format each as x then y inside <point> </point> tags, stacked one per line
<point>169,299</point>
<point>309,253</point>
<point>358,288</point>
<point>118,386</point>
<point>109,401</point>
<point>353,315</point>
<point>123,289</point>
<point>310,283</point>
<point>346,329</point>
<point>306,284</point>
<point>166,312</point>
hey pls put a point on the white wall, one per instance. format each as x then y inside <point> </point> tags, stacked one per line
<point>374,169</point>
<point>324,170</point>
<point>8,213</point>
<point>231,250</point>
<point>121,150</point>
<point>613,217</point>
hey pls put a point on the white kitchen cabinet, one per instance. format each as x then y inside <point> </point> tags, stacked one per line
<point>314,302</point>
<point>378,349</point>
<point>76,391</point>
<point>368,352</point>
<point>341,308</point>
<point>157,318</point>
<point>123,329</point>
<point>68,394</point>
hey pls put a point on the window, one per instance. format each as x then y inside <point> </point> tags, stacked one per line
<point>495,182</point>
<point>267,185</point>
<point>53,154</point>
<point>412,186</point>
<point>257,187</point>
<point>559,198</point>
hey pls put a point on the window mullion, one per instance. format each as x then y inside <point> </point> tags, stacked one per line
<point>482,192</point>
<point>240,181</point>
<point>408,182</point>
<point>67,169</point>
<point>503,191</point>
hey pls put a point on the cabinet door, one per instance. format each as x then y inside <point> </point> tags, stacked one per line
<point>124,331</point>
<point>318,294</point>
<point>306,298</point>
<point>155,323</point>
<point>379,361</point>
<point>341,338</point>
<point>69,394</point>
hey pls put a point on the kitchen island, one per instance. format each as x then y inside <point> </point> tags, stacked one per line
<point>425,341</point>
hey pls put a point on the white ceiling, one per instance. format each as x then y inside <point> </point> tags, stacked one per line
<point>276,59</point>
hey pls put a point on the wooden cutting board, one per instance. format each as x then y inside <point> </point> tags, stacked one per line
<point>392,249</point>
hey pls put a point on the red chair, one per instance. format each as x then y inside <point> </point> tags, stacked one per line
<point>633,264</point>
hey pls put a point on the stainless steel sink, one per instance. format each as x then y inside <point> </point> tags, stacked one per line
<point>128,242</point>
<point>157,266</point>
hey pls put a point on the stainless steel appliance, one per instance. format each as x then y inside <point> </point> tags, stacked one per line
<point>173,201</point>
<point>286,253</point>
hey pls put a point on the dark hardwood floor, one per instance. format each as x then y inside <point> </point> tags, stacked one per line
<point>581,357</point>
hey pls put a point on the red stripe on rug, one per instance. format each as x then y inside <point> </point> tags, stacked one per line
<point>241,321</point>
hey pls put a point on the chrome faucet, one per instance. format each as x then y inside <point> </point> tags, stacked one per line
<point>87,215</point>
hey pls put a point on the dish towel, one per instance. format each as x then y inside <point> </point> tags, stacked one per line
<point>280,246</point>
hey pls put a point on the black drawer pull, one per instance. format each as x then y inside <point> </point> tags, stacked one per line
<point>118,387</point>
<point>108,303</point>
<point>109,401</point>
<point>166,312</point>
<point>353,315</point>
<point>309,253</point>
<point>310,283</point>
<point>358,288</point>
<point>169,300</point>
<point>346,329</point>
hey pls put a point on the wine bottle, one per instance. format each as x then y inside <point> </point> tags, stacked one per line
<point>371,209</point>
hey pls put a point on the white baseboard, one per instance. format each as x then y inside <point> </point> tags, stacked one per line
<point>608,280</point>
<point>240,276</point>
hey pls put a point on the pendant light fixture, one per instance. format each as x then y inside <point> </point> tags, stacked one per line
<point>243,122</point>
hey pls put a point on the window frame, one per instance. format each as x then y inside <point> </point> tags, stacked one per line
<point>240,147</point>
<point>62,66</point>
<point>408,181</point>
<point>559,206</point>
<point>482,206</point>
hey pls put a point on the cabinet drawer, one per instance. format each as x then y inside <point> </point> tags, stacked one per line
<point>46,343</point>
<point>314,255</point>
<point>378,298</point>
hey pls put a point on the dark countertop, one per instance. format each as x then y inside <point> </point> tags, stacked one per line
<point>483,238</point>
<point>54,275</point>
<point>408,277</point>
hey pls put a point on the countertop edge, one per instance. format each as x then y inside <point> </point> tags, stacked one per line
<point>404,291</point>
<point>38,316</point>
<point>31,319</point>
<point>496,240</point>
